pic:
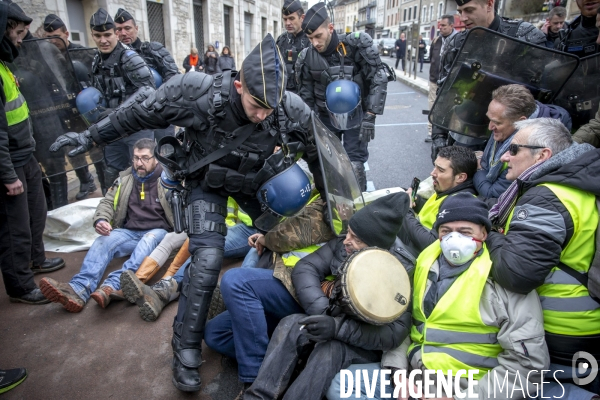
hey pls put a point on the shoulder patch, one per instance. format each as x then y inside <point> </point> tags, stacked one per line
<point>522,214</point>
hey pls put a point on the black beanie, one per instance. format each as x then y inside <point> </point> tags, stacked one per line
<point>463,206</point>
<point>378,223</point>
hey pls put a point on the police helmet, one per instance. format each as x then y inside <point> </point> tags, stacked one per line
<point>343,102</point>
<point>157,78</point>
<point>90,104</point>
<point>284,195</point>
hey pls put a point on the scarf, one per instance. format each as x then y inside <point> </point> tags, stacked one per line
<point>490,160</point>
<point>507,200</point>
<point>193,60</point>
<point>332,47</point>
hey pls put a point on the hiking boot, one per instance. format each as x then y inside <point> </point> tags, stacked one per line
<point>132,286</point>
<point>34,297</point>
<point>9,378</point>
<point>63,293</point>
<point>117,295</point>
<point>156,297</point>
<point>86,188</point>
<point>49,265</point>
<point>102,295</point>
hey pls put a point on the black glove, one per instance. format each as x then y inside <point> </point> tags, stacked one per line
<point>319,328</point>
<point>367,128</point>
<point>82,140</point>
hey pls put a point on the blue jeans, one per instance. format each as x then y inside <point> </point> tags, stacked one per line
<point>333,393</point>
<point>236,241</point>
<point>120,243</point>
<point>178,277</point>
<point>251,259</point>
<point>255,301</point>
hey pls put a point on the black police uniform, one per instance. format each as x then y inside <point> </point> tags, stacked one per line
<point>579,37</point>
<point>117,76</point>
<point>514,28</point>
<point>314,71</point>
<point>291,45</point>
<point>59,183</point>
<point>212,113</point>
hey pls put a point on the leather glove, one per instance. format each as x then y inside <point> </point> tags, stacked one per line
<point>82,140</point>
<point>367,128</point>
<point>319,328</point>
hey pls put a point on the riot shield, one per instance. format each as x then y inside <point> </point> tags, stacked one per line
<point>486,61</point>
<point>344,196</point>
<point>47,81</point>
<point>82,59</point>
<point>581,95</point>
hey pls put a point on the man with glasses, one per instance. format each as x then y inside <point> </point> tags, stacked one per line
<point>546,224</point>
<point>132,219</point>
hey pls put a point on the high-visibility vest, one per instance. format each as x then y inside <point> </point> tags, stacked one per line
<point>454,337</point>
<point>429,211</point>
<point>16,107</point>
<point>292,257</point>
<point>563,298</point>
<point>235,214</point>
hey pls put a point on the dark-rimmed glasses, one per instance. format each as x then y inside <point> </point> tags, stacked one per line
<point>145,160</point>
<point>513,148</point>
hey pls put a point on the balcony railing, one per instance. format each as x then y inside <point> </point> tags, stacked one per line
<point>370,21</point>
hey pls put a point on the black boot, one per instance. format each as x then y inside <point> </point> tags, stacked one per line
<point>100,167</point>
<point>361,175</point>
<point>86,183</point>
<point>188,330</point>
<point>59,191</point>
<point>110,176</point>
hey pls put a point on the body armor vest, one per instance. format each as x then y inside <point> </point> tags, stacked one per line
<point>580,38</point>
<point>109,77</point>
<point>289,47</point>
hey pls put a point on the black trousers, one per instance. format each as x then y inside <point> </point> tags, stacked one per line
<point>22,222</point>
<point>356,150</point>
<point>397,60</point>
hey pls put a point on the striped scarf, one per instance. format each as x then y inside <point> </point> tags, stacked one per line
<point>501,210</point>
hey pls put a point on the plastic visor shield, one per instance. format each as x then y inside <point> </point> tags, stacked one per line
<point>486,61</point>
<point>47,81</point>
<point>581,94</point>
<point>344,196</point>
<point>82,60</point>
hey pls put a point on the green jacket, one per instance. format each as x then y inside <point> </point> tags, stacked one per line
<point>113,207</point>
<point>589,133</point>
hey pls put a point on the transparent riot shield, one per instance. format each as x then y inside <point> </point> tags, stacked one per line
<point>47,81</point>
<point>581,94</point>
<point>344,196</point>
<point>486,61</point>
<point>82,59</point>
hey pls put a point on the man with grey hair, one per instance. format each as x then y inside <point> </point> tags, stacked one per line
<point>546,225</point>
<point>553,24</point>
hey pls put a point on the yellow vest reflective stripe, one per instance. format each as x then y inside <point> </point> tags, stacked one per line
<point>292,257</point>
<point>429,212</point>
<point>454,336</point>
<point>117,194</point>
<point>235,215</point>
<point>16,107</point>
<point>563,298</point>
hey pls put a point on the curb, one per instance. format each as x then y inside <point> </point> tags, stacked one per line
<point>419,84</point>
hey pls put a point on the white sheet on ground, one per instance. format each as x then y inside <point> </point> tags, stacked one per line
<point>69,228</point>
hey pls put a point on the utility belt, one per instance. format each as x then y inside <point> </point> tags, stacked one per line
<point>562,348</point>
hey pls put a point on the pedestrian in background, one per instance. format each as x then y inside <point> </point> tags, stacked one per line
<point>226,61</point>
<point>400,50</point>
<point>193,61</point>
<point>211,60</point>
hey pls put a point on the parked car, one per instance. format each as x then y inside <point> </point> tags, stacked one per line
<point>427,57</point>
<point>387,47</point>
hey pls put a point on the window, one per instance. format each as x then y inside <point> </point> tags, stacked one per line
<point>409,12</point>
<point>198,26</point>
<point>227,24</point>
<point>431,16</point>
<point>424,14</point>
<point>415,16</point>
<point>247,33</point>
<point>440,10</point>
<point>404,19</point>
<point>263,27</point>
<point>275,30</point>
<point>156,22</point>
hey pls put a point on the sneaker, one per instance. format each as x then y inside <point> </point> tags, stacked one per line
<point>63,293</point>
<point>102,295</point>
<point>9,378</point>
<point>49,265</point>
<point>34,297</point>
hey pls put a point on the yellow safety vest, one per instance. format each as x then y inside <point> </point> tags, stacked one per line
<point>429,212</point>
<point>565,300</point>
<point>454,336</point>
<point>291,258</point>
<point>16,107</point>
<point>235,215</point>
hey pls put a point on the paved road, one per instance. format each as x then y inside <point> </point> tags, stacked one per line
<point>114,354</point>
<point>392,61</point>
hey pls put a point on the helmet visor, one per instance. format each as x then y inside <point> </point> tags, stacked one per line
<point>348,120</point>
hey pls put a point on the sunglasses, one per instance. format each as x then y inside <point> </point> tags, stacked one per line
<point>513,148</point>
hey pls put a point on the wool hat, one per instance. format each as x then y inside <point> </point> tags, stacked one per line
<point>101,21</point>
<point>122,16</point>
<point>16,13</point>
<point>264,73</point>
<point>290,6</point>
<point>52,22</point>
<point>314,18</point>
<point>378,223</point>
<point>463,206</point>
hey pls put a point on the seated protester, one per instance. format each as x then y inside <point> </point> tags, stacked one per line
<point>453,172</point>
<point>151,300</point>
<point>589,133</point>
<point>133,218</point>
<point>257,298</point>
<point>510,103</point>
<point>549,219</point>
<point>462,319</point>
<point>340,340</point>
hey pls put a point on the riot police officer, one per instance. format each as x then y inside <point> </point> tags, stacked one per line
<point>334,57</point>
<point>580,36</point>
<point>117,72</point>
<point>56,30</point>
<point>292,41</point>
<point>233,122</point>
<point>474,13</point>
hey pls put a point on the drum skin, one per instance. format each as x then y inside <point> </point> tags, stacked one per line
<point>373,286</point>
